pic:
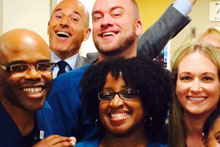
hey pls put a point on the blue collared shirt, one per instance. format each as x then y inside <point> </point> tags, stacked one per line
<point>10,135</point>
<point>71,63</point>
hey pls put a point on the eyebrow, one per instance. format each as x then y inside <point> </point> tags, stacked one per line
<point>22,61</point>
<point>113,8</point>
<point>189,73</point>
<point>75,12</point>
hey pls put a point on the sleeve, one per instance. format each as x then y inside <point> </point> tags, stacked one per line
<point>156,37</point>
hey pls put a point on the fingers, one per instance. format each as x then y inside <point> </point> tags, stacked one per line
<point>57,141</point>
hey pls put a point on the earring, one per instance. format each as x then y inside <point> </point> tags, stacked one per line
<point>148,119</point>
<point>98,123</point>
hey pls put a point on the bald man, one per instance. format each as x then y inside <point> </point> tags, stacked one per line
<point>116,28</point>
<point>69,27</point>
<point>25,81</point>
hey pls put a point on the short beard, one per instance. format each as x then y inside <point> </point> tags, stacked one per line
<point>120,48</point>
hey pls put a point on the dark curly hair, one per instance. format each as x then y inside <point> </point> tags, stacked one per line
<point>149,77</point>
<point>210,122</point>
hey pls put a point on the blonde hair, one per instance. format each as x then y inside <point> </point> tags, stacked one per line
<point>177,128</point>
<point>210,32</point>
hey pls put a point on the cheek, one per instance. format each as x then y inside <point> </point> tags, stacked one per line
<point>214,89</point>
<point>102,110</point>
<point>180,88</point>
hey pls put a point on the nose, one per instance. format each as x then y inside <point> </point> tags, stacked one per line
<point>32,74</point>
<point>64,22</point>
<point>196,86</point>
<point>106,22</point>
<point>116,101</point>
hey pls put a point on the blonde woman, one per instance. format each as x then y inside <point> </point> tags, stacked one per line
<point>195,74</point>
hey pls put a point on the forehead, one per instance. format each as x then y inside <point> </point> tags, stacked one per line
<point>24,48</point>
<point>71,7</point>
<point>108,5</point>
<point>191,62</point>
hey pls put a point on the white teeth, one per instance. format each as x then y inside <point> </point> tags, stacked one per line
<point>32,90</point>
<point>63,34</point>
<point>118,115</point>
<point>196,98</point>
<point>108,34</point>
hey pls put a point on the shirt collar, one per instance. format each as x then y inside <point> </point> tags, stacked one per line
<point>71,60</point>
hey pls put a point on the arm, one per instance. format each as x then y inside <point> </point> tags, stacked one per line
<point>168,26</point>
<point>56,141</point>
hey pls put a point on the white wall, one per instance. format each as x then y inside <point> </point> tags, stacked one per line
<point>88,46</point>
<point>29,14</point>
<point>200,21</point>
<point>1,15</point>
<point>34,15</point>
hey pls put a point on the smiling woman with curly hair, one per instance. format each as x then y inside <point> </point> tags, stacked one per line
<point>131,98</point>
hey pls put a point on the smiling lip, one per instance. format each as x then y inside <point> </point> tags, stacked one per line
<point>197,98</point>
<point>118,118</point>
<point>63,34</point>
<point>33,92</point>
<point>108,34</point>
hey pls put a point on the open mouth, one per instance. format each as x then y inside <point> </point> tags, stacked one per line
<point>108,34</point>
<point>33,90</point>
<point>118,115</point>
<point>63,34</point>
<point>196,98</point>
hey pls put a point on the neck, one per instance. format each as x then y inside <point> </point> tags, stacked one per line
<point>65,54</point>
<point>194,126</point>
<point>23,119</point>
<point>137,138</point>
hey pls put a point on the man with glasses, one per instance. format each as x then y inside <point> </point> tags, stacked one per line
<point>25,81</point>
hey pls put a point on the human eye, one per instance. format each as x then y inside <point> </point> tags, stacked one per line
<point>75,18</point>
<point>207,79</point>
<point>185,78</point>
<point>105,95</point>
<point>15,68</point>
<point>58,15</point>
<point>117,13</point>
<point>43,66</point>
<point>96,17</point>
<point>217,137</point>
<point>129,93</point>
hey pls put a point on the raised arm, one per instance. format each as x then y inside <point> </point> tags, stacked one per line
<point>168,26</point>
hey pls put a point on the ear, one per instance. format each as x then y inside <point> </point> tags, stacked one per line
<point>139,27</point>
<point>203,140</point>
<point>87,33</point>
<point>48,27</point>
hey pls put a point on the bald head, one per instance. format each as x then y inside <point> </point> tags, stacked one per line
<point>75,6</point>
<point>16,43</point>
<point>23,86</point>
<point>68,28</point>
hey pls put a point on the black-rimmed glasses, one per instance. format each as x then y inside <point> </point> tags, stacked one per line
<point>127,93</point>
<point>43,66</point>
